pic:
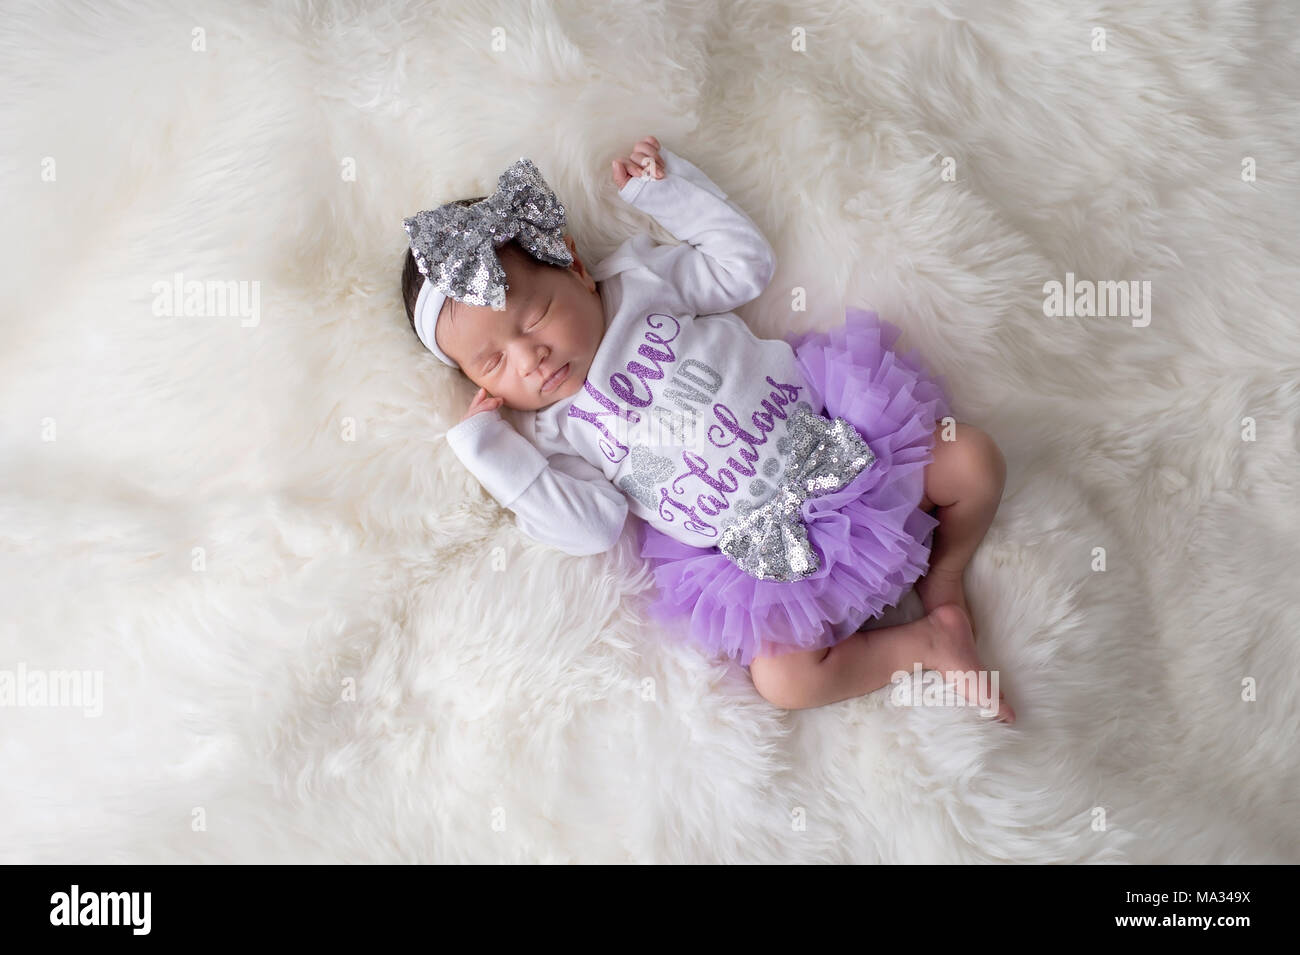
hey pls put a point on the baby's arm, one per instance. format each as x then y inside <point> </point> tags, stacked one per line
<point>724,260</point>
<point>573,507</point>
<point>563,501</point>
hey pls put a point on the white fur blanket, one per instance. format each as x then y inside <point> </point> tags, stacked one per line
<point>318,639</point>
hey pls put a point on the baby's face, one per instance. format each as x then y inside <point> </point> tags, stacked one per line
<point>553,322</point>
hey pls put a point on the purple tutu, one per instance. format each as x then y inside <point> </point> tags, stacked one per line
<point>872,538</point>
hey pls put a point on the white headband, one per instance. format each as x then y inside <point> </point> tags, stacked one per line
<point>427,308</point>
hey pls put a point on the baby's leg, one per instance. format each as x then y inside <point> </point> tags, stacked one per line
<point>964,481</point>
<point>866,660</point>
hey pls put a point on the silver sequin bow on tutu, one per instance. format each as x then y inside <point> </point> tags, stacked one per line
<point>455,246</point>
<point>771,542</point>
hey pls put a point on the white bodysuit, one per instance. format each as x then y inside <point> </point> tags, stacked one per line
<point>683,410</point>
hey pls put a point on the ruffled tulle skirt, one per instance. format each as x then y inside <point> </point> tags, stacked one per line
<point>872,538</point>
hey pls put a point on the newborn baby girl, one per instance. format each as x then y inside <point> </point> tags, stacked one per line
<point>788,490</point>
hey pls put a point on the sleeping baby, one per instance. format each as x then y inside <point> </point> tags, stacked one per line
<point>782,486</point>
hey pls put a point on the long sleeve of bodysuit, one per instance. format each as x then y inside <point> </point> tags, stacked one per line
<point>723,261</point>
<point>560,500</point>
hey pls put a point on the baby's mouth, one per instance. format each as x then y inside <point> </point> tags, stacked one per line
<point>556,379</point>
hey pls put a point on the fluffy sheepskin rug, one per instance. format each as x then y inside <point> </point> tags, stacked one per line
<point>316,638</point>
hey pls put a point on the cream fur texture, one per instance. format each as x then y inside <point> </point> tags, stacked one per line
<point>319,640</point>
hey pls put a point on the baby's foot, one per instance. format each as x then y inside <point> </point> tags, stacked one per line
<point>952,647</point>
<point>941,586</point>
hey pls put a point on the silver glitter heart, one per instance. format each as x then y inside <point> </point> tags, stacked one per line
<point>642,492</point>
<point>648,470</point>
<point>648,467</point>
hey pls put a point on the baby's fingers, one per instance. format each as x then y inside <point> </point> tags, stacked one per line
<point>627,169</point>
<point>648,161</point>
<point>647,165</point>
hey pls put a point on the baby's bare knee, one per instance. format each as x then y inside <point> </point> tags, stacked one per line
<point>788,680</point>
<point>993,464</point>
<point>980,461</point>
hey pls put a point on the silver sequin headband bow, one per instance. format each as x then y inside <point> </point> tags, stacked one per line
<point>771,542</point>
<point>455,246</point>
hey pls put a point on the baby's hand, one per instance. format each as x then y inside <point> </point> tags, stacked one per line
<point>645,158</point>
<point>482,402</point>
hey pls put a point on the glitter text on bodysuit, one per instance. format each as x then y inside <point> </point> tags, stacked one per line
<point>655,350</point>
<point>687,384</point>
<point>725,481</point>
